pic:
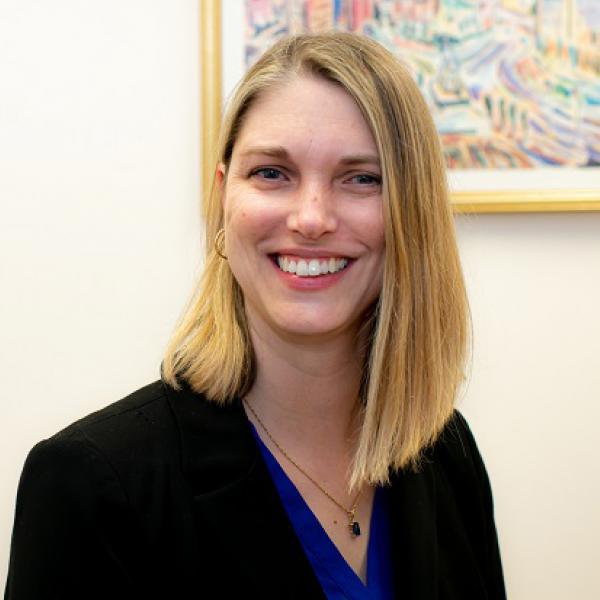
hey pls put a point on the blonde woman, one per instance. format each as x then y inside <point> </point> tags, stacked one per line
<point>302,442</point>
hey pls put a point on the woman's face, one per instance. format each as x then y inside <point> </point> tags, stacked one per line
<point>303,211</point>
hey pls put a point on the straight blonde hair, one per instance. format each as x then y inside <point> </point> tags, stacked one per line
<point>419,328</point>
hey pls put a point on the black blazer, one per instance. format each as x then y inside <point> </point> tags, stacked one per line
<point>164,495</point>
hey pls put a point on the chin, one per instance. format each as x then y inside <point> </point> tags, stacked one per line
<point>317,324</point>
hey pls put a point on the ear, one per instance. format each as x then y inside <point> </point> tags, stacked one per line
<point>220,180</point>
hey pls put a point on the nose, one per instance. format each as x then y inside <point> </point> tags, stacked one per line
<point>313,212</point>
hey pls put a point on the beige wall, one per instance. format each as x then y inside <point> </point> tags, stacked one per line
<point>99,228</point>
<point>99,245</point>
<point>534,396</point>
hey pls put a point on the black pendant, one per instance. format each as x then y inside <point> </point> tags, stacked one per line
<point>355,528</point>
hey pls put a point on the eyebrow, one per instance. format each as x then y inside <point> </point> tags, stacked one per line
<point>282,153</point>
<point>369,159</point>
<point>273,151</point>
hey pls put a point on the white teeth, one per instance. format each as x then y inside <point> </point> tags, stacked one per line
<point>314,268</point>
<point>311,268</point>
<point>324,267</point>
<point>302,268</point>
<point>332,265</point>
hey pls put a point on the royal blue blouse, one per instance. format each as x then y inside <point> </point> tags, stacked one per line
<point>338,580</point>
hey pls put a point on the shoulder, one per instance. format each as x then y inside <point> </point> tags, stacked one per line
<point>141,424</point>
<point>157,435</point>
<point>137,414</point>
<point>462,482</point>
<point>82,511</point>
<point>123,436</point>
<point>456,446</point>
<point>452,471</point>
<point>464,500</point>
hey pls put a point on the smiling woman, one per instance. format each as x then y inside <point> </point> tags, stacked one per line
<point>303,200</point>
<point>302,442</point>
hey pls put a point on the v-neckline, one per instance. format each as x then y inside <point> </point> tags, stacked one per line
<point>323,554</point>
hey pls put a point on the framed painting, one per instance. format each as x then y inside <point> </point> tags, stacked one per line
<point>513,85</point>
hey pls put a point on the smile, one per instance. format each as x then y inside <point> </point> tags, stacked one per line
<point>311,267</point>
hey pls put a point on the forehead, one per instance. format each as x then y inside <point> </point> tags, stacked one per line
<point>306,110</point>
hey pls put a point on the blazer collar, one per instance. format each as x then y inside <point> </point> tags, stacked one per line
<point>217,448</point>
<point>235,501</point>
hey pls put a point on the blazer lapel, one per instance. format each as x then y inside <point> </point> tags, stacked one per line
<point>236,502</point>
<point>414,534</point>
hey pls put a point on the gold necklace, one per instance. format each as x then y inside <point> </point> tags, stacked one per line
<point>353,525</point>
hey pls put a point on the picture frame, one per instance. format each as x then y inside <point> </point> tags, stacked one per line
<point>472,191</point>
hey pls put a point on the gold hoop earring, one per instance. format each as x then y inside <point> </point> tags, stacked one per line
<point>219,243</point>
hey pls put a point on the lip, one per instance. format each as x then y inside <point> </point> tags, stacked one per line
<point>310,253</point>
<point>321,282</point>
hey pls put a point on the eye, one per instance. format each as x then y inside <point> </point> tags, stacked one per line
<point>365,179</point>
<point>267,173</point>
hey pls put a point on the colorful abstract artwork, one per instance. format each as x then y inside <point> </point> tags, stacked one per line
<point>510,83</point>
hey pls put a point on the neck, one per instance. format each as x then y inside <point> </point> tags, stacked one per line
<point>307,390</point>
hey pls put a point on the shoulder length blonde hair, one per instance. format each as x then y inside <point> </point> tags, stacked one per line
<point>419,331</point>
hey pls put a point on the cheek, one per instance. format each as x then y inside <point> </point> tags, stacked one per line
<point>244,226</point>
<point>369,226</point>
<point>379,233</point>
<point>239,218</point>
<point>250,218</point>
<point>374,237</point>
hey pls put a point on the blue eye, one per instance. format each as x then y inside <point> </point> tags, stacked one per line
<point>366,179</point>
<point>267,173</point>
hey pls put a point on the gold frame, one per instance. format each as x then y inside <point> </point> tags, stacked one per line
<point>576,200</point>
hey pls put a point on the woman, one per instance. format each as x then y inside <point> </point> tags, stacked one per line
<point>302,442</point>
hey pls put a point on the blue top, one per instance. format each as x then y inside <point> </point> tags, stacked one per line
<point>338,580</point>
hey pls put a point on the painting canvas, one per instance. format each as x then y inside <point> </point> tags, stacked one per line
<point>512,84</point>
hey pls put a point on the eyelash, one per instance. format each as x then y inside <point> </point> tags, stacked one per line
<point>263,170</point>
<point>374,179</point>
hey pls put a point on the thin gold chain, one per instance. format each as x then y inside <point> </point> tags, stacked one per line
<point>350,512</point>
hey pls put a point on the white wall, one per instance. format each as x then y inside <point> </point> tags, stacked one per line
<point>99,227</point>
<point>534,396</point>
<point>99,245</point>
